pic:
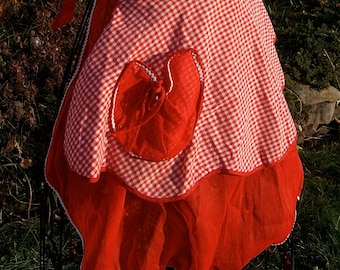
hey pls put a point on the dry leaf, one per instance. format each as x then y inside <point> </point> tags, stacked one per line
<point>26,163</point>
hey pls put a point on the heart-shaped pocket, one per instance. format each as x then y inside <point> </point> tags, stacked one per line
<point>154,118</point>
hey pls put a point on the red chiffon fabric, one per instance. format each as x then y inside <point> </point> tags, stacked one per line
<point>221,223</point>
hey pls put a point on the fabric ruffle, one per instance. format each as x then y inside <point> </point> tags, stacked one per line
<point>222,223</point>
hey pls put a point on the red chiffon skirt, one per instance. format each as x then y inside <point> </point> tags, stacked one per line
<point>222,223</point>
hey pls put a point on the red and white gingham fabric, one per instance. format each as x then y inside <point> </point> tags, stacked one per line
<point>245,122</point>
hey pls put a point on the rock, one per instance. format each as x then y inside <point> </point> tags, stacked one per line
<point>319,114</point>
<point>319,108</point>
<point>35,42</point>
<point>19,111</point>
<point>310,96</point>
<point>337,110</point>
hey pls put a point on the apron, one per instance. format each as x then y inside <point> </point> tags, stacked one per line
<point>174,145</point>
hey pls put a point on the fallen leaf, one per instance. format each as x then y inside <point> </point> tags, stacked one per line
<point>26,163</point>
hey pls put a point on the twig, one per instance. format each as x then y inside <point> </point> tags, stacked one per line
<point>3,86</point>
<point>321,137</point>
<point>22,202</point>
<point>298,98</point>
<point>333,66</point>
<point>30,198</point>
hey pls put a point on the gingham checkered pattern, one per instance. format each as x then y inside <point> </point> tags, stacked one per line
<point>244,123</point>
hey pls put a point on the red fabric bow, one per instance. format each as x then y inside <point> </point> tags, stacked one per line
<point>154,119</point>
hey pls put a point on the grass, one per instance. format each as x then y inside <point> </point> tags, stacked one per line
<point>308,39</point>
<point>20,239</point>
<point>308,45</point>
<point>317,234</point>
<point>30,75</point>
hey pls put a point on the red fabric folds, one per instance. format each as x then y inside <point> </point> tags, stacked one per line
<point>223,223</point>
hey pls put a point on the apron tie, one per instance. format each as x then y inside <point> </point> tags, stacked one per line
<point>66,14</point>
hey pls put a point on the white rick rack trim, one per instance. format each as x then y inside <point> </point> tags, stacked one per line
<point>148,71</point>
<point>199,67</point>
<point>170,77</point>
